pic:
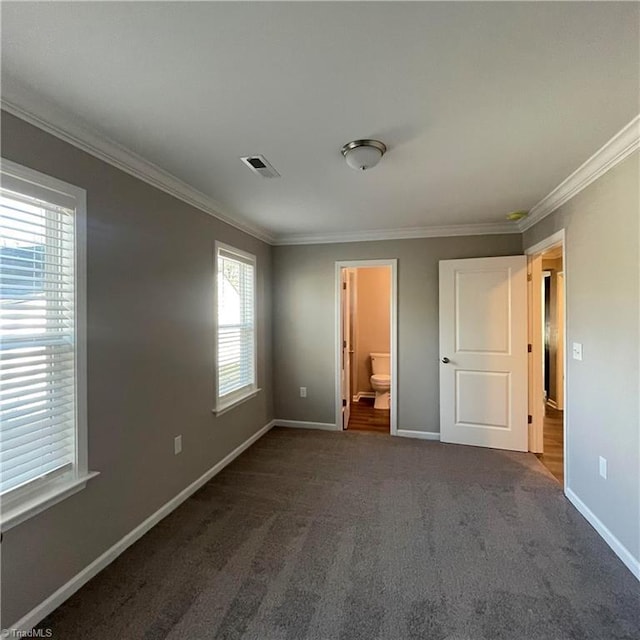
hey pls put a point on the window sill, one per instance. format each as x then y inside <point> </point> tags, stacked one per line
<point>218,411</point>
<point>42,500</point>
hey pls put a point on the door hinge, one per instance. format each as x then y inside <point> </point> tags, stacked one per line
<point>344,344</point>
<point>529,419</point>
<point>529,277</point>
<point>344,285</point>
<point>529,348</point>
<point>344,402</point>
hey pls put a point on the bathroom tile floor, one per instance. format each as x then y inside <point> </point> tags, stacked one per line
<point>365,418</point>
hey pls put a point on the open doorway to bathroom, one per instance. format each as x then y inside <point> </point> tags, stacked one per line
<point>366,397</point>
<point>547,353</point>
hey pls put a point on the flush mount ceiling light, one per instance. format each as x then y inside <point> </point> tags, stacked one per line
<point>363,154</point>
<point>517,215</point>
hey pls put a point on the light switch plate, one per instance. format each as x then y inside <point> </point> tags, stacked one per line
<point>177,445</point>
<point>577,351</point>
<point>603,467</point>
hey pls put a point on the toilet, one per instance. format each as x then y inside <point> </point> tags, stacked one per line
<point>381,379</point>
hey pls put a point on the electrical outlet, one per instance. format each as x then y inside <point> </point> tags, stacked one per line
<point>577,351</point>
<point>177,445</point>
<point>303,392</point>
<point>603,467</point>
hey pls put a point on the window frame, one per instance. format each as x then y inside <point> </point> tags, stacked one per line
<point>225,403</point>
<point>24,502</point>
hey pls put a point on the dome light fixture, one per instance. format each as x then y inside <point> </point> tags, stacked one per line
<point>363,154</point>
<point>514,216</point>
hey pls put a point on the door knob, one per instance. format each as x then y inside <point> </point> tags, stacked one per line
<point>445,360</point>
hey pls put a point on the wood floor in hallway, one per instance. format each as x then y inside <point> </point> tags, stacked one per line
<point>553,456</point>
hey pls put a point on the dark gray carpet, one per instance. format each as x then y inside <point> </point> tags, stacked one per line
<point>353,536</point>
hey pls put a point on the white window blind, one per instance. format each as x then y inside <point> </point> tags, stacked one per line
<point>236,342</point>
<point>38,397</point>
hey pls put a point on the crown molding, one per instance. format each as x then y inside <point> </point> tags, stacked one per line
<point>42,114</point>
<point>39,112</point>
<point>32,108</point>
<point>399,234</point>
<point>622,145</point>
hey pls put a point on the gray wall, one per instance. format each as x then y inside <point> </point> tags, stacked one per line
<point>150,351</point>
<point>602,288</point>
<point>304,324</point>
<point>150,365</point>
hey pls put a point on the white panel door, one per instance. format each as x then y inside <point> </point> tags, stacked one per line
<point>483,352</point>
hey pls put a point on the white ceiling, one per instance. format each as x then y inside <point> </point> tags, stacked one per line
<point>485,107</point>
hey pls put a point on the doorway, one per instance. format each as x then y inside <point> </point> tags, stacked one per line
<point>547,357</point>
<point>366,346</point>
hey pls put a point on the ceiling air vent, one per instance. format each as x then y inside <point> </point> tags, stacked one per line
<point>260,165</point>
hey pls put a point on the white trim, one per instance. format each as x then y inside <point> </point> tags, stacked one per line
<point>363,394</point>
<point>393,344</point>
<point>250,258</point>
<point>40,612</point>
<point>51,120</point>
<point>71,194</point>
<point>559,237</point>
<point>420,435</point>
<point>42,185</point>
<point>301,424</point>
<point>238,396</point>
<point>66,127</point>
<point>354,383</point>
<point>621,145</point>
<point>34,109</point>
<point>479,229</point>
<point>40,501</point>
<point>220,411</point>
<point>548,242</point>
<point>80,301</point>
<point>633,564</point>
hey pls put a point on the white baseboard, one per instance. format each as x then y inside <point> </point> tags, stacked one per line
<point>364,394</point>
<point>421,435</point>
<point>633,564</point>
<point>40,612</point>
<point>300,424</point>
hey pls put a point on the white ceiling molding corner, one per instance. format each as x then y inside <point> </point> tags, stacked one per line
<point>619,147</point>
<point>398,234</point>
<point>22,104</point>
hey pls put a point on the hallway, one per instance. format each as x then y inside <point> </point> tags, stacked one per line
<point>553,456</point>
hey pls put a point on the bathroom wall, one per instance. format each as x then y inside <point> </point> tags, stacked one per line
<point>372,321</point>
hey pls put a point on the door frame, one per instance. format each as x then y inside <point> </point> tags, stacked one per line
<point>555,239</point>
<point>393,338</point>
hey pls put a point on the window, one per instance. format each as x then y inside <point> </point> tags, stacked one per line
<point>43,456</point>
<point>236,326</point>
